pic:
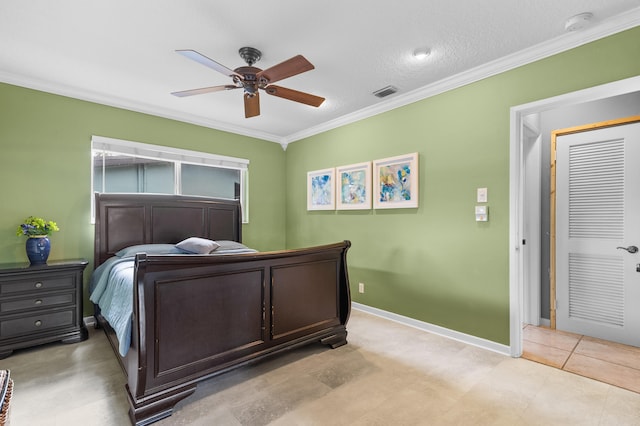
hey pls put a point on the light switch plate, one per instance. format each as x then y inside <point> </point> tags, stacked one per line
<point>482,195</point>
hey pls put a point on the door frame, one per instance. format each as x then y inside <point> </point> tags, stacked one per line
<point>517,171</point>
<point>532,218</point>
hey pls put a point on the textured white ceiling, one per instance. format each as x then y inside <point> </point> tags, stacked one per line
<point>122,52</point>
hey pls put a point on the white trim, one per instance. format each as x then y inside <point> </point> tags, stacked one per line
<point>517,114</point>
<point>560,44</point>
<point>159,152</point>
<point>531,229</point>
<point>131,105</point>
<point>435,329</point>
<point>244,202</point>
<point>543,50</point>
<point>410,322</point>
<point>516,298</point>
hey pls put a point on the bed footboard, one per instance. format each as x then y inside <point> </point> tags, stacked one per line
<point>199,316</point>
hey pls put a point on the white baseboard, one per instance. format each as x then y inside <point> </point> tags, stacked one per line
<point>420,325</point>
<point>436,329</point>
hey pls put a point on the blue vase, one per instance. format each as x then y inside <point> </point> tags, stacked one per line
<point>38,248</point>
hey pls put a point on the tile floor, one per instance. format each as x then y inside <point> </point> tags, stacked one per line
<point>601,360</point>
<point>388,374</point>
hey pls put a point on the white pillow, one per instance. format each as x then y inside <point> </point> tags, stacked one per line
<point>198,245</point>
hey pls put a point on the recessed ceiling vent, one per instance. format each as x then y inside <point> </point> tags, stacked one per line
<point>385,91</point>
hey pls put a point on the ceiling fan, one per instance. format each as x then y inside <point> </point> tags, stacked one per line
<point>251,79</point>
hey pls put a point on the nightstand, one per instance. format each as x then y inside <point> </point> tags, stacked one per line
<point>41,304</point>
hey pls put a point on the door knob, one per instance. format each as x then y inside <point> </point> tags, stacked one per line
<point>630,249</point>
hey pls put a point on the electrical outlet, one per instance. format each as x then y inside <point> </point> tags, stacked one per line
<point>361,287</point>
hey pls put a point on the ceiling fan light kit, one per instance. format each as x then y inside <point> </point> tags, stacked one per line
<point>253,79</point>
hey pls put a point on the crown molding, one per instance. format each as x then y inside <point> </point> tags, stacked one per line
<point>543,50</point>
<point>118,102</point>
<point>560,44</point>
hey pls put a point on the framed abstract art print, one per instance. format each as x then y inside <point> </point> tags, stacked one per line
<point>353,187</point>
<point>395,182</point>
<point>321,190</point>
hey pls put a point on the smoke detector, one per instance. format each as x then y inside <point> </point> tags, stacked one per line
<point>578,22</point>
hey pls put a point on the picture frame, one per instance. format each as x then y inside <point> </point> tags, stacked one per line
<point>353,187</point>
<point>395,182</point>
<point>321,193</point>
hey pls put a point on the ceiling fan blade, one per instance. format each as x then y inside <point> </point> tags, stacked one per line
<point>296,65</point>
<point>203,90</point>
<point>200,58</point>
<point>251,105</point>
<point>294,95</point>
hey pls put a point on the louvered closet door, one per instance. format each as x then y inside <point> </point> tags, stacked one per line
<point>597,211</point>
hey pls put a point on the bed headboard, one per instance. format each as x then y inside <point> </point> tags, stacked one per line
<point>123,220</point>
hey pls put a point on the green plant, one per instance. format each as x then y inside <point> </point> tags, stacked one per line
<point>33,226</point>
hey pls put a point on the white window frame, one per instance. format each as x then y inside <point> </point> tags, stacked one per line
<point>176,156</point>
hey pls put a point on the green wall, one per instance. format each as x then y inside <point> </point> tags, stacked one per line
<point>435,263</point>
<point>45,166</point>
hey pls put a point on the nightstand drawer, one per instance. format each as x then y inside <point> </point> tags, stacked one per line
<point>38,283</point>
<point>36,302</point>
<point>41,304</point>
<point>36,323</point>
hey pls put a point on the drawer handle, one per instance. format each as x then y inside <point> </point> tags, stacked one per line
<point>38,323</point>
<point>38,284</point>
<point>38,302</point>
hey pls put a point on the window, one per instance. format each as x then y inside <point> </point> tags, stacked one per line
<point>132,167</point>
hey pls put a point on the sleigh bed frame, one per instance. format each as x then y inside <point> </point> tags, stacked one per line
<point>198,316</point>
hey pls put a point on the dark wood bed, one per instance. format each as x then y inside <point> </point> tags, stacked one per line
<point>198,316</point>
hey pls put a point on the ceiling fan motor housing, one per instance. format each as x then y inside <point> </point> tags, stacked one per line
<point>250,80</point>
